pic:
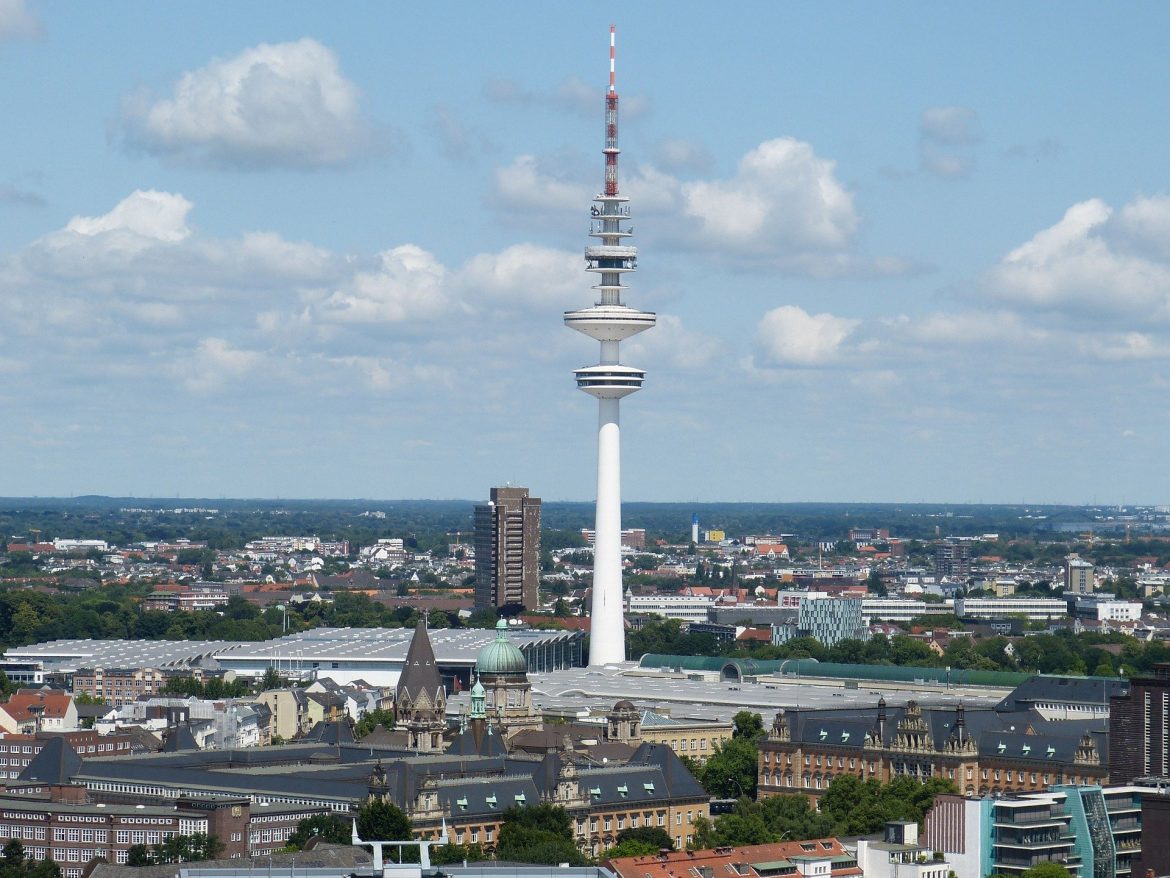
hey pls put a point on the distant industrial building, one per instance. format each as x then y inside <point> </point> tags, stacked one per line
<point>1032,609</point>
<point>632,537</point>
<point>507,550</point>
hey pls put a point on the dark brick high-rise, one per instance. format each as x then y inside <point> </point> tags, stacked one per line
<point>507,549</point>
<point>1139,728</point>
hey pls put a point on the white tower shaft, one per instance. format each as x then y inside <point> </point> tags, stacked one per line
<point>607,628</point>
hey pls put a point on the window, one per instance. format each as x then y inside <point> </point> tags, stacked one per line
<point>678,819</point>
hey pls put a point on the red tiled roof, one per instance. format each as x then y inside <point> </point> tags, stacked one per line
<point>723,860</point>
<point>55,704</point>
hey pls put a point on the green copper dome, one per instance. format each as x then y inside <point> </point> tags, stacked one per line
<point>501,657</point>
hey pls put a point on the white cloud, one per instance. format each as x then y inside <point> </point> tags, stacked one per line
<point>950,125</point>
<point>527,185</point>
<point>409,286</point>
<point>526,275</point>
<point>157,216</point>
<point>790,336</point>
<point>17,21</point>
<point>215,363</point>
<point>941,132</point>
<point>671,344</point>
<point>273,105</point>
<point>1091,263</point>
<point>784,203</point>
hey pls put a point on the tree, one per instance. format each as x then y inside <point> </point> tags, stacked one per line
<point>652,835</point>
<point>538,834</point>
<point>630,848</point>
<point>732,770</point>
<point>748,725</point>
<point>327,827</point>
<point>373,718</point>
<point>13,853</point>
<point>383,821</point>
<point>271,680</point>
<point>1046,870</point>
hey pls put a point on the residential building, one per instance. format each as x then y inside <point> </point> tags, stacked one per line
<point>900,855</point>
<point>118,686</point>
<point>952,559</point>
<point>1139,728</point>
<point>507,549</point>
<point>1079,576</point>
<point>35,710</point>
<point>1093,831</point>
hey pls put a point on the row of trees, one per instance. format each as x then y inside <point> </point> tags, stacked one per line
<point>850,806</point>
<point>113,612</point>
<point>1106,655</point>
<point>531,834</point>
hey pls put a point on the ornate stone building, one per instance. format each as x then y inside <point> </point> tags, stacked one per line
<point>420,699</point>
<point>981,751</point>
<point>503,673</point>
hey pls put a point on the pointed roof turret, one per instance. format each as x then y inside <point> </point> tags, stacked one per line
<point>55,764</point>
<point>420,673</point>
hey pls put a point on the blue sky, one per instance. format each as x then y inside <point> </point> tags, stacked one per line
<point>898,251</point>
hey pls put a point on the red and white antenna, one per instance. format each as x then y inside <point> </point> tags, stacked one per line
<point>611,122</point>
<point>612,53</point>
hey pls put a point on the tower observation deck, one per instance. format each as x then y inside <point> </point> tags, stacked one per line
<point>609,321</point>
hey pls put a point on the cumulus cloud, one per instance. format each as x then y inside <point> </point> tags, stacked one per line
<point>530,184</point>
<point>523,274</point>
<point>783,204</point>
<point>215,363</point>
<point>943,133</point>
<point>672,344</point>
<point>150,215</point>
<point>17,21</point>
<point>274,105</point>
<point>408,286</point>
<point>1093,263</point>
<point>790,336</point>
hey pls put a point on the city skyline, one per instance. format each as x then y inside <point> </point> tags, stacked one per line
<point>898,253</point>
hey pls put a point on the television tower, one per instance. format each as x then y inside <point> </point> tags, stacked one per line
<point>610,322</point>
